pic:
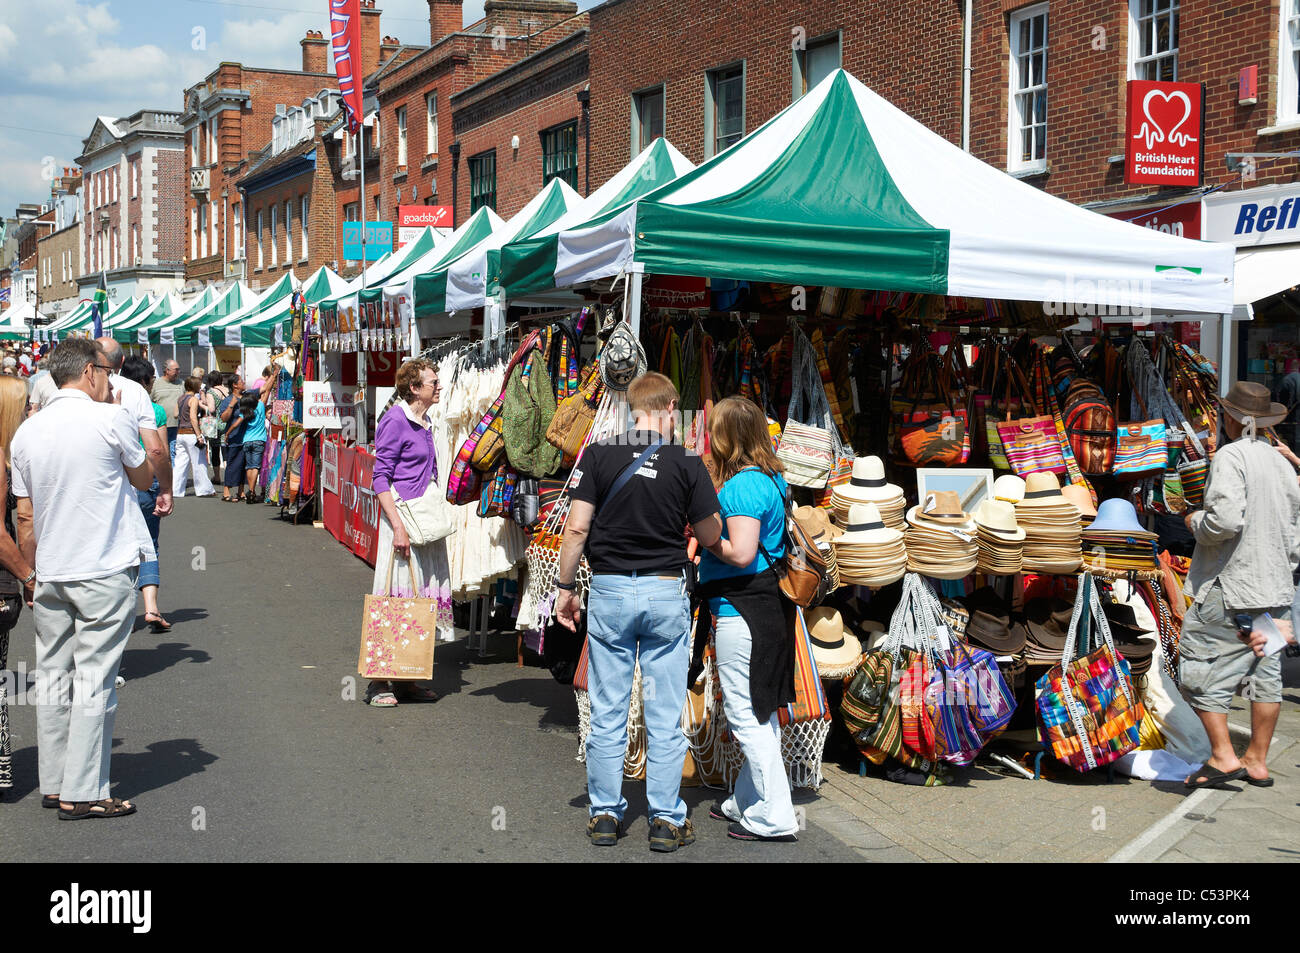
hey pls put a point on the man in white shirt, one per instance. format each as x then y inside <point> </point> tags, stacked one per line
<point>139,405</point>
<point>78,523</point>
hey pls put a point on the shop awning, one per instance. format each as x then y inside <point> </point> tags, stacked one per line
<point>131,334</point>
<point>1264,270</point>
<point>466,276</point>
<point>843,189</point>
<point>530,264</point>
<point>379,272</point>
<point>226,330</point>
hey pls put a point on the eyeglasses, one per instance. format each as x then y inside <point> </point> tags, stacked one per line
<point>102,367</point>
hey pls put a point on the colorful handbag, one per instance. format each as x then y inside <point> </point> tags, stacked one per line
<point>866,693</point>
<point>490,450</point>
<point>498,493</point>
<point>809,697</point>
<point>807,449</point>
<point>463,481</point>
<point>1031,445</point>
<point>1140,450</point>
<point>1088,712</point>
<point>574,416</point>
<point>1090,427</point>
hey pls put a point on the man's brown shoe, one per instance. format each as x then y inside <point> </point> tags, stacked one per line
<point>666,837</point>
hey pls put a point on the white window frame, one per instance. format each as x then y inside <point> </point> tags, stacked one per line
<point>238,220</point>
<point>305,209</point>
<point>1015,121</point>
<point>1288,85</point>
<point>288,231</point>
<point>711,105</point>
<point>216,225</point>
<point>135,180</point>
<point>431,124</point>
<point>401,137</point>
<point>259,239</point>
<point>275,249</point>
<point>139,245</point>
<point>1135,60</point>
<point>203,229</point>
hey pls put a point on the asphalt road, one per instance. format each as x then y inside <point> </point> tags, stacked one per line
<point>236,739</point>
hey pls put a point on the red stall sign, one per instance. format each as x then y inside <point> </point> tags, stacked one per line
<point>1163,133</point>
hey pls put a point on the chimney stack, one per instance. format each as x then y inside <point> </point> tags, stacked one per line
<point>315,52</point>
<point>369,37</point>
<point>445,17</point>
<point>388,47</point>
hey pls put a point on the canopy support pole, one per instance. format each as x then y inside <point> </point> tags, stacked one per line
<point>494,318</point>
<point>1226,329</point>
<point>634,303</point>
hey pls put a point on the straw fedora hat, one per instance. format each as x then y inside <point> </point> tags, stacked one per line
<point>999,518</point>
<point>1042,489</point>
<point>868,484</point>
<point>833,646</point>
<point>1009,488</point>
<point>1081,499</point>
<point>1249,399</point>
<point>816,522</point>
<point>866,526</point>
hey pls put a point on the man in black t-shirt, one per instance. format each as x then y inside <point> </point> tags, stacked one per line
<point>634,539</point>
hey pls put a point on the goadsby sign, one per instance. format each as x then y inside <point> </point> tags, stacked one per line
<point>1163,133</point>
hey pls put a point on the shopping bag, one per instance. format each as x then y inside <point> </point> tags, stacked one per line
<point>398,633</point>
<point>1140,450</point>
<point>1088,713</point>
<point>1031,445</point>
<point>809,697</point>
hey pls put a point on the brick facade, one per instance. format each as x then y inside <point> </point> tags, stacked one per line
<point>511,31</point>
<point>911,54</point>
<point>58,264</point>
<point>539,93</point>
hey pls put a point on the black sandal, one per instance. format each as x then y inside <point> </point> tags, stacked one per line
<point>50,802</point>
<point>1211,777</point>
<point>109,807</point>
<point>157,624</point>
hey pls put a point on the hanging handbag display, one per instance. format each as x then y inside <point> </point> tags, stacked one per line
<point>490,448</point>
<point>1088,712</point>
<point>498,493</point>
<point>527,409</point>
<point>1140,450</point>
<point>398,633</point>
<point>1031,445</point>
<point>1090,428</point>
<point>525,507</point>
<point>933,427</point>
<point>574,416</point>
<point>807,448</point>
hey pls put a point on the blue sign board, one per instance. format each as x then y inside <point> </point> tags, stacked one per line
<point>379,240</point>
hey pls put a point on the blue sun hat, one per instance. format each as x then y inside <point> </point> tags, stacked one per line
<point>1118,516</point>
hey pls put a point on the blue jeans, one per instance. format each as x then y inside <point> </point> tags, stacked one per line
<point>761,801</point>
<point>149,572</point>
<point>627,615</point>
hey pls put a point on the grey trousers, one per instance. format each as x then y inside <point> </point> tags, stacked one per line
<point>81,631</point>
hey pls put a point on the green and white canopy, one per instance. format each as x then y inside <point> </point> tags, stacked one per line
<point>51,332</point>
<point>466,279</point>
<point>227,330</point>
<point>425,283</point>
<point>841,188</point>
<point>164,309</point>
<point>180,329</point>
<point>378,273</point>
<point>270,328</point>
<point>535,263</point>
<point>131,335</point>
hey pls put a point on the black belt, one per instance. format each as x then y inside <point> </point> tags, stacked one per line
<point>666,573</point>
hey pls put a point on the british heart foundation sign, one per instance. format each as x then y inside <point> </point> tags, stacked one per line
<point>1163,133</point>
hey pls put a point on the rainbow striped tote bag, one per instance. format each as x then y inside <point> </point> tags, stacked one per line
<point>1140,451</point>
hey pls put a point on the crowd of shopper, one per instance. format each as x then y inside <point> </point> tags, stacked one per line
<point>94,447</point>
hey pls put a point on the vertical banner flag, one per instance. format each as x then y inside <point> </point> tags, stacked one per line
<point>345,35</point>
<point>99,306</point>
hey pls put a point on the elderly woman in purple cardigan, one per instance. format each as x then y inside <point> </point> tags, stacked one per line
<point>405,466</point>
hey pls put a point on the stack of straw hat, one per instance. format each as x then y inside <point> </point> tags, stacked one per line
<point>869,553</point>
<point>1001,540</point>
<point>941,540</point>
<point>1081,498</point>
<point>1116,542</point>
<point>1051,525</point>
<point>868,485</point>
<point>816,522</point>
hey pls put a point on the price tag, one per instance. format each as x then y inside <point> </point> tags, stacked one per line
<point>942,638</point>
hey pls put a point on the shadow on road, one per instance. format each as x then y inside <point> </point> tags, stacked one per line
<point>166,762</point>
<point>141,663</point>
<point>561,710</point>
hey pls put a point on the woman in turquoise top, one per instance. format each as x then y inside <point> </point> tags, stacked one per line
<point>752,638</point>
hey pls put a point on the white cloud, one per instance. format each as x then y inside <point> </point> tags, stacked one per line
<point>8,42</point>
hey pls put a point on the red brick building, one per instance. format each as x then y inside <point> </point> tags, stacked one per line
<point>1047,98</point>
<point>421,161</point>
<point>523,126</point>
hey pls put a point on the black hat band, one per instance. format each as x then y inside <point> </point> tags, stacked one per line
<point>856,527</point>
<point>826,645</point>
<point>855,481</point>
<point>1039,494</point>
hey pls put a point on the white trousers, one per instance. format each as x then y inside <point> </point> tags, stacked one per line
<point>191,454</point>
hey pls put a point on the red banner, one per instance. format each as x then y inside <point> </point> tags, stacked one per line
<point>363,514</point>
<point>334,514</point>
<point>345,35</point>
<point>1183,220</point>
<point>1163,133</point>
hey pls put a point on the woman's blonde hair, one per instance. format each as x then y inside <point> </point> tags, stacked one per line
<point>13,410</point>
<point>738,438</point>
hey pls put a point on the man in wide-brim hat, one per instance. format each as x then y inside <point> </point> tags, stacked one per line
<point>1247,544</point>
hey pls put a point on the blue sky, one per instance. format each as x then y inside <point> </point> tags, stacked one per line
<point>64,62</point>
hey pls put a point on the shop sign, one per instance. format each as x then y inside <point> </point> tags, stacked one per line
<point>336,517</point>
<point>412,219</point>
<point>1163,133</point>
<point>324,405</point>
<point>1269,215</point>
<point>329,474</point>
<point>1183,220</point>
<point>379,240</point>
<point>363,509</point>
